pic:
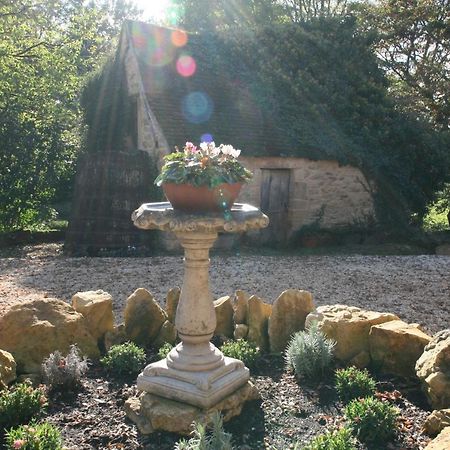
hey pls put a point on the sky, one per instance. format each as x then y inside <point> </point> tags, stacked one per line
<point>153,9</point>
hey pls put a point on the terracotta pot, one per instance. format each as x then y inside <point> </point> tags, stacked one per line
<point>189,198</point>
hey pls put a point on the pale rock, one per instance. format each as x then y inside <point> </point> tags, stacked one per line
<point>240,306</point>
<point>167,333</point>
<point>441,442</point>
<point>224,316</point>
<point>143,317</point>
<point>288,316</point>
<point>32,330</point>
<point>433,370</point>
<point>349,326</point>
<point>395,347</point>
<point>361,360</point>
<point>152,413</point>
<point>240,331</point>
<point>97,308</point>
<point>172,300</point>
<point>7,369</point>
<point>437,421</point>
<point>258,319</point>
<point>116,336</point>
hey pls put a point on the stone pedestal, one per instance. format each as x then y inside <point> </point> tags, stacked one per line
<point>195,371</point>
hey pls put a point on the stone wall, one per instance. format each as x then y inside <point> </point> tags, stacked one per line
<point>338,195</point>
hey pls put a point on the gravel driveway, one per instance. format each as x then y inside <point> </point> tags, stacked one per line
<point>417,288</point>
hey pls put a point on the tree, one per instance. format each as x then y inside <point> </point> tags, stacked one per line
<point>45,50</point>
<point>414,47</point>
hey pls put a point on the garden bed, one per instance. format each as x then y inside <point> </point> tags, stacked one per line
<point>289,411</point>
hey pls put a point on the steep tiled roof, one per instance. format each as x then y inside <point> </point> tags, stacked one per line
<point>191,99</point>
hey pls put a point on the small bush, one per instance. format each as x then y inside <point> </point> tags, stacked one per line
<point>42,436</point>
<point>213,439</point>
<point>333,440</point>
<point>164,350</point>
<point>353,383</point>
<point>242,350</point>
<point>20,404</point>
<point>124,359</point>
<point>310,353</point>
<point>64,372</point>
<point>371,421</point>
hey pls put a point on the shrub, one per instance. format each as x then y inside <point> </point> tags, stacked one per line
<point>20,404</point>
<point>371,421</point>
<point>214,439</point>
<point>124,359</point>
<point>354,383</point>
<point>164,350</point>
<point>310,353</point>
<point>42,436</point>
<point>242,350</point>
<point>333,440</point>
<point>61,372</point>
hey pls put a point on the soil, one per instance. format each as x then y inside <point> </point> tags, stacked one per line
<point>417,288</point>
<point>289,411</point>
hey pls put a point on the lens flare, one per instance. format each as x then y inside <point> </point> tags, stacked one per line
<point>197,107</point>
<point>186,65</point>
<point>206,137</point>
<point>179,38</point>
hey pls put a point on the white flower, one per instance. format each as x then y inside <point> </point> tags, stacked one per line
<point>229,150</point>
<point>235,153</point>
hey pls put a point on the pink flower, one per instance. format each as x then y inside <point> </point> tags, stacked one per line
<point>19,443</point>
<point>190,148</point>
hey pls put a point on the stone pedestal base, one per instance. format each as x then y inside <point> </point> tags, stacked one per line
<point>153,413</point>
<point>202,389</point>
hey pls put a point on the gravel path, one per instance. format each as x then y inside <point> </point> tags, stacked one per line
<point>417,288</point>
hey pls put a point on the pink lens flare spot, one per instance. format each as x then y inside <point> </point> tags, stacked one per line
<point>186,66</point>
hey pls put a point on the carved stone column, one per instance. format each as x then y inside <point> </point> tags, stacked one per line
<point>195,371</point>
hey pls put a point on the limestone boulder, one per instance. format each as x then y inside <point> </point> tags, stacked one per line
<point>167,333</point>
<point>143,317</point>
<point>7,369</point>
<point>441,442</point>
<point>288,316</point>
<point>172,299</point>
<point>240,331</point>
<point>152,413</point>
<point>240,306</point>
<point>97,308</point>
<point>224,316</point>
<point>396,346</point>
<point>116,336</point>
<point>349,326</point>
<point>437,421</point>
<point>258,320</point>
<point>32,330</point>
<point>433,370</point>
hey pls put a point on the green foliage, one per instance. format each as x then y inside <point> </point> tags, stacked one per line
<point>371,421</point>
<point>341,439</point>
<point>203,439</point>
<point>19,405</point>
<point>64,372</point>
<point>207,166</point>
<point>243,350</point>
<point>35,436</point>
<point>164,350</point>
<point>310,353</point>
<point>353,383</point>
<point>124,359</point>
<point>45,51</point>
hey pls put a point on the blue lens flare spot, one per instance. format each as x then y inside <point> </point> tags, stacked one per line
<point>197,107</point>
<point>206,137</point>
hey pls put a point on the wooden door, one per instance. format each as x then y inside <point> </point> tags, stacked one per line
<point>274,203</point>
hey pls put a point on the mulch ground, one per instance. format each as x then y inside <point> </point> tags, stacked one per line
<point>289,411</point>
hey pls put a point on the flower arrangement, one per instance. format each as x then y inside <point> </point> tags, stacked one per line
<point>206,165</point>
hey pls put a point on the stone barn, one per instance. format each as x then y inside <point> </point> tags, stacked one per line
<point>172,93</point>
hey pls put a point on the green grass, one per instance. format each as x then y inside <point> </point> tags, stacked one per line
<point>435,221</point>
